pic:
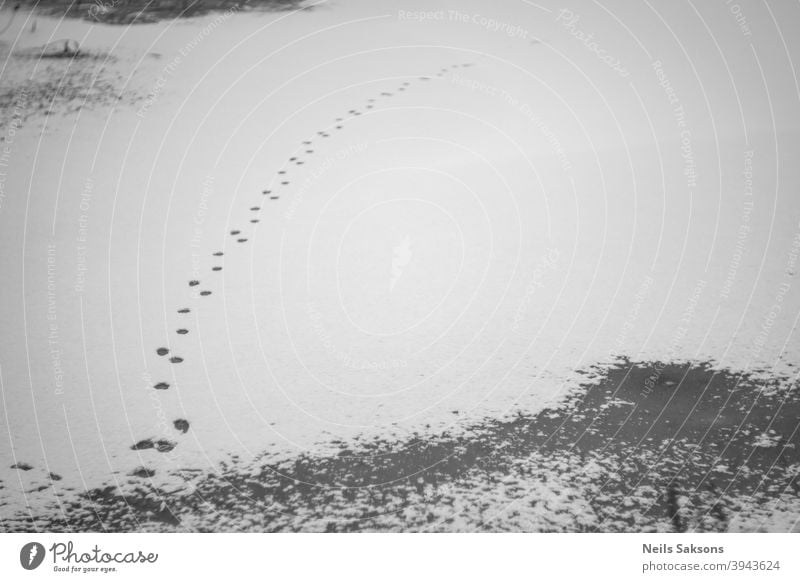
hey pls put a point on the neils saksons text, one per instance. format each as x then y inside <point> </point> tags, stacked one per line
<point>681,549</point>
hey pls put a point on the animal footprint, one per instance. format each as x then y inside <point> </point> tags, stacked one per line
<point>143,445</point>
<point>165,446</point>
<point>161,445</point>
<point>143,473</point>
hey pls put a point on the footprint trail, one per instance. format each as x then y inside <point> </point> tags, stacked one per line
<point>181,425</point>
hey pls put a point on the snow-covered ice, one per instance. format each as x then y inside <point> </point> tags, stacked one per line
<point>298,228</point>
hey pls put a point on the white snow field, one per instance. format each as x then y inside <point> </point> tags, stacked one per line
<point>466,208</point>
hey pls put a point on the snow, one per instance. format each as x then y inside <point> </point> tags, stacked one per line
<point>767,440</point>
<point>517,213</point>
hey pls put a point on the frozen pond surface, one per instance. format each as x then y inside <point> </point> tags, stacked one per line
<point>298,229</point>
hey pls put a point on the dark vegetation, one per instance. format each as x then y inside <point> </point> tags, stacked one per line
<point>142,11</point>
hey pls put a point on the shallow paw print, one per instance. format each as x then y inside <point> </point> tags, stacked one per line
<point>165,446</point>
<point>143,473</point>
<point>143,445</point>
<point>160,445</point>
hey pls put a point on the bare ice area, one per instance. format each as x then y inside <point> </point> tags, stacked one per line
<point>684,451</point>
